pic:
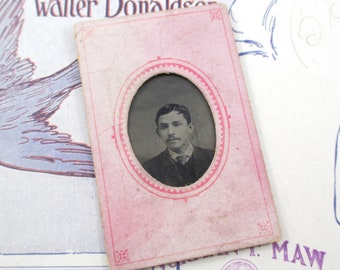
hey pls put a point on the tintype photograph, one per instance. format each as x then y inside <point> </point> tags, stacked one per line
<point>171,130</point>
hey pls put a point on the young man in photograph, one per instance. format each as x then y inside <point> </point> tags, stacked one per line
<point>182,163</point>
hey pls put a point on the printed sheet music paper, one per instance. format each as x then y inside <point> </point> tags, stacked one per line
<point>289,52</point>
<point>157,85</point>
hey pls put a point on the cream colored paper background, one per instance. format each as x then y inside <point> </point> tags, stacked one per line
<point>295,101</point>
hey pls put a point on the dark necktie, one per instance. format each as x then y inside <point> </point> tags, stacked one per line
<point>182,159</point>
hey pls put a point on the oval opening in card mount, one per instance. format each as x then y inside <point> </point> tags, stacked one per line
<point>171,130</point>
<point>173,136</point>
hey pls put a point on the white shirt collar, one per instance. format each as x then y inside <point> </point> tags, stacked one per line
<point>187,153</point>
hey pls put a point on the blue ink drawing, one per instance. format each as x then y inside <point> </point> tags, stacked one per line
<point>29,141</point>
<point>260,43</point>
<point>336,180</point>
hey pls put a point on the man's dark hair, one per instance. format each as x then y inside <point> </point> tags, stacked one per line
<point>174,107</point>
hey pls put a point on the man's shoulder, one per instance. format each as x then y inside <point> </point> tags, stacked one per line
<point>157,160</point>
<point>204,152</point>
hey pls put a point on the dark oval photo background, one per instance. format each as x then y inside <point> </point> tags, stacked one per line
<point>156,92</point>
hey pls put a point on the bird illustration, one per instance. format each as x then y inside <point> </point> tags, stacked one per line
<point>28,141</point>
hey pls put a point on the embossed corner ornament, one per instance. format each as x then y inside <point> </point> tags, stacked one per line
<point>265,228</point>
<point>86,33</point>
<point>215,15</point>
<point>218,109</point>
<point>122,256</point>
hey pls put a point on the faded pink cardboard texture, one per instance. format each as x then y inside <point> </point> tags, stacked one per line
<point>145,222</point>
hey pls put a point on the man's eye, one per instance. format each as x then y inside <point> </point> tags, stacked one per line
<point>176,124</point>
<point>163,126</point>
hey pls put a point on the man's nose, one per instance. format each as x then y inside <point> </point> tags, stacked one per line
<point>171,130</point>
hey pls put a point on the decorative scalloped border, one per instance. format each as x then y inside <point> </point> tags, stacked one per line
<point>219,112</point>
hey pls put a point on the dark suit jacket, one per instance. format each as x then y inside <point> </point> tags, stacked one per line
<point>166,170</point>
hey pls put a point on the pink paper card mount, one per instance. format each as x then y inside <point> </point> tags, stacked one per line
<point>178,163</point>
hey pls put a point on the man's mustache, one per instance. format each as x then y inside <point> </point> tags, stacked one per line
<point>172,139</point>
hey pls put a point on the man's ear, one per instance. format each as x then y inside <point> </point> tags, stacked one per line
<point>191,127</point>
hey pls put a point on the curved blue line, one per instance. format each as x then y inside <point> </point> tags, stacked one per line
<point>250,42</point>
<point>237,31</point>
<point>270,27</point>
<point>261,53</point>
<point>335,176</point>
<point>231,12</point>
<point>272,38</point>
<point>265,16</point>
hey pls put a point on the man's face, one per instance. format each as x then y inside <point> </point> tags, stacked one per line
<point>174,131</point>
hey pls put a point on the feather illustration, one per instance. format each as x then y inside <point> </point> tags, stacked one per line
<point>29,141</point>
